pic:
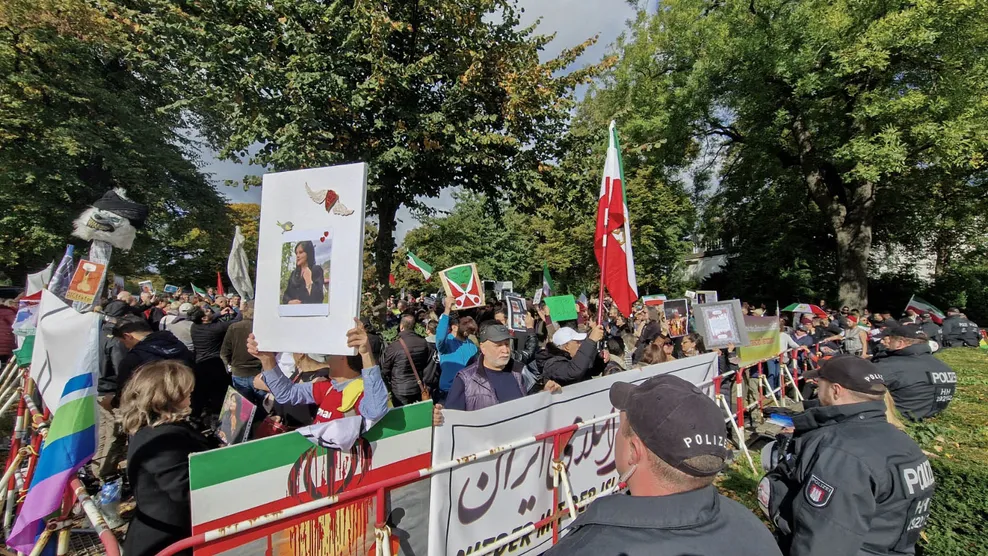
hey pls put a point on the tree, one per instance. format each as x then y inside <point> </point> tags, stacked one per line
<point>430,93</point>
<point>501,243</point>
<point>77,120</point>
<point>850,102</point>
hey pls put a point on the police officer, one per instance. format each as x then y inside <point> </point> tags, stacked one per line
<point>921,385</point>
<point>846,482</point>
<point>669,448</point>
<point>959,331</point>
<point>932,331</point>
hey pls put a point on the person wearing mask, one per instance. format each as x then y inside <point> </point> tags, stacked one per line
<point>454,347</point>
<point>154,409</point>
<point>921,385</point>
<point>144,345</point>
<point>932,331</point>
<point>846,481</point>
<point>212,379</point>
<point>408,351</point>
<point>243,366</point>
<point>354,389</point>
<point>669,448</point>
<point>958,331</point>
<point>181,326</point>
<point>570,358</point>
<point>494,378</point>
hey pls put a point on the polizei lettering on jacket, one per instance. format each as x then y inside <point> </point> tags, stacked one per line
<point>943,377</point>
<point>705,440</point>
<point>918,477</point>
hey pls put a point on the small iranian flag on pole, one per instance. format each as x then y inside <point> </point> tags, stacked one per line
<point>612,240</point>
<point>418,264</point>
<point>547,284</point>
<point>198,291</point>
<point>922,306</point>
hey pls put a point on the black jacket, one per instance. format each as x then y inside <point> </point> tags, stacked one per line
<point>920,384</point>
<point>932,332</point>
<point>649,333</point>
<point>396,371</point>
<point>156,346</point>
<point>529,342</point>
<point>959,331</point>
<point>112,352</point>
<point>158,469</point>
<point>208,339</point>
<point>695,522</point>
<point>848,483</point>
<point>555,364</point>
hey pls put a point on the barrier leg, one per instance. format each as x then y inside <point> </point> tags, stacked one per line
<point>63,542</point>
<point>763,384</point>
<point>559,471</point>
<point>96,518</point>
<point>39,546</point>
<point>761,391</point>
<point>795,387</point>
<point>738,434</point>
<point>739,396</point>
<point>382,533</point>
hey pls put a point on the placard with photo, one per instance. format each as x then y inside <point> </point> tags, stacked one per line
<point>721,324</point>
<point>235,418</point>
<point>706,296</point>
<point>677,317</point>
<point>516,311</point>
<point>86,281</point>
<point>310,259</point>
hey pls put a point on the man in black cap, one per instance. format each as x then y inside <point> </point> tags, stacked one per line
<point>921,385</point>
<point>670,446</point>
<point>958,331</point>
<point>846,481</point>
<point>144,345</point>
<point>495,377</point>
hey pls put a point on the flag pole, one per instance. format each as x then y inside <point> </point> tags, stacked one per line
<point>603,257</point>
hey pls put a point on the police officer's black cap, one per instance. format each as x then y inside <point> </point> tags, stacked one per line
<point>903,331</point>
<point>851,372</point>
<point>494,333</point>
<point>675,420</point>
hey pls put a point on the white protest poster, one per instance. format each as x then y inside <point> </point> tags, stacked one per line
<point>476,504</point>
<point>310,259</point>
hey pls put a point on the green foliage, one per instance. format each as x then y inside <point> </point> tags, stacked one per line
<point>848,105</point>
<point>76,119</point>
<point>431,94</point>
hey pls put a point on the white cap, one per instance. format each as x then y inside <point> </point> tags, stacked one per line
<point>184,308</point>
<point>565,335</point>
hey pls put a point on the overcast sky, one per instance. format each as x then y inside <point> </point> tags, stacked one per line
<point>573,21</point>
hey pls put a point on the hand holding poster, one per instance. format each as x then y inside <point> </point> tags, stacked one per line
<point>516,312</point>
<point>310,259</point>
<point>677,314</point>
<point>146,286</point>
<point>462,284</point>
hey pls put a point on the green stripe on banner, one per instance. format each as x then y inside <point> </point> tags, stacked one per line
<point>72,417</point>
<point>218,466</point>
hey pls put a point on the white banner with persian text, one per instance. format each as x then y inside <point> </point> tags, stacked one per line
<point>476,504</point>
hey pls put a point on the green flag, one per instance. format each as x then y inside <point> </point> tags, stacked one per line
<point>547,285</point>
<point>198,291</point>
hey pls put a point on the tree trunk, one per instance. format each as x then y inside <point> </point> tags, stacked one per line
<point>385,245</point>
<point>853,251</point>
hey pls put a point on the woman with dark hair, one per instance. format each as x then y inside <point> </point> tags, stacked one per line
<point>305,284</point>
<point>212,379</point>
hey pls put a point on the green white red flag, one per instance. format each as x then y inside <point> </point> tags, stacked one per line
<point>921,306</point>
<point>418,264</point>
<point>612,240</point>
<point>547,283</point>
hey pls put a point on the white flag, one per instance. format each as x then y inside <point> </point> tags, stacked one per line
<point>236,267</point>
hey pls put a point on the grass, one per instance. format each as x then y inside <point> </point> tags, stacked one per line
<point>957,444</point>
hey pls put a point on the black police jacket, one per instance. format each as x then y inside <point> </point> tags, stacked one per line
<point>695,522</point>
<point>958,331</point>
<point>921,385</point>
<point>848,483</point>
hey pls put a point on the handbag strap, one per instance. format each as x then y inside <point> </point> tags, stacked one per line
<point>412,364</point>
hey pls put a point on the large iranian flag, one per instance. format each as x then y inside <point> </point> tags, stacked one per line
<point>612,240</point>
<point>418,264</point>
<point>921,306</point>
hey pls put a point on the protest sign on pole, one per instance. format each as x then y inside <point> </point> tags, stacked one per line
<point>516,308</point>
<point>561,308</point>
<point>310,259</point>
<point>245,481</point>
<point>763,338</point>
<point>86,281</point>
<point>462,283</point>
<point>477,503</point>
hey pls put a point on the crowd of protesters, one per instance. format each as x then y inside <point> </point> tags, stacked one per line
<point>167,362</point>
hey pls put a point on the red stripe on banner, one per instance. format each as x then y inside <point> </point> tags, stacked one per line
<point>404,466</point>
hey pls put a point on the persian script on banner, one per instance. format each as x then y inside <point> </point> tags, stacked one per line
<point>245,481</point>
<point>476,504</point>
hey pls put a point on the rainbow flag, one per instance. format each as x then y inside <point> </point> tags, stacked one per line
<point>71,440</point>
